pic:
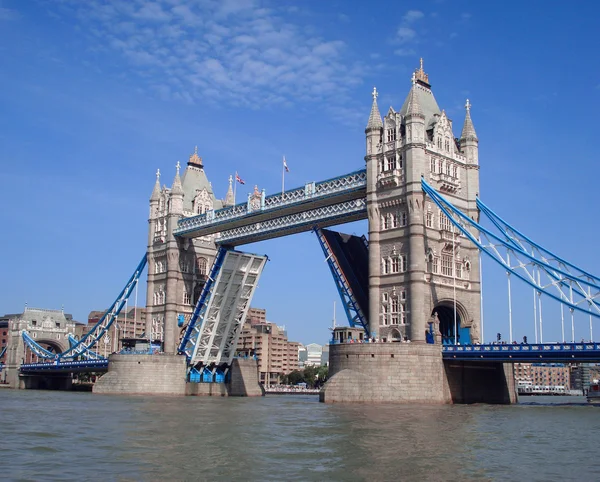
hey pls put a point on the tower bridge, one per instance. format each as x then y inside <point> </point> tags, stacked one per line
<point>416,278</point>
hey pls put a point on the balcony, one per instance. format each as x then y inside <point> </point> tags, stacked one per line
<point>446,182</point>
<point>391,178</point>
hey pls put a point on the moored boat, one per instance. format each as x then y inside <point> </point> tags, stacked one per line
<point>593,394</point>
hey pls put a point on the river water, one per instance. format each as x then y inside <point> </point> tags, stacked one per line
<point>48,435</point>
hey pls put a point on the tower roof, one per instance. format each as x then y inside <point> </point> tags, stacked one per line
<point>194,180</point>
<point>229,200</point>
<point>177,187</point>
<point>156,190</point>
<point>468,131</point>
<point>422,95</point>
<point>375,117</point>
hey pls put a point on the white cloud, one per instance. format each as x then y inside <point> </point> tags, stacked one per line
<point>465,16</point>
<point>406,33</point>
<point>222,51</point>
<point>8,14</point>
<point>412,15</point>
<point>404,52</point>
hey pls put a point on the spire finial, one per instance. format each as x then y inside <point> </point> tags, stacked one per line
<point>158,175</point>
<point>375,116</point>
<point>414,79</point>
<point>230,179</point>
<point>196,150</point>
<point>374,93</point>
<point>177,166</point>
<point>421,63</point>
<point>468,106</point>
<point>420,74</point>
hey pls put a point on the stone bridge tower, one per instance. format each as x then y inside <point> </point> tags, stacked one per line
<point>49,328</point>
<point>177,268</point>
<point>418,263</point>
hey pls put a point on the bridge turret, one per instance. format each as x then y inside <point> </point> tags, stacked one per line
<point>155,197</point>
<point>177,194</point>
<point>469,143</point>
<point>373,158</point>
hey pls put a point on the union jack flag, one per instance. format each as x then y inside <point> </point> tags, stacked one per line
<point>239,179</point>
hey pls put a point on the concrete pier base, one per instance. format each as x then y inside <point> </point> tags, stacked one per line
<point>166,375</point>
<point>411,373</point>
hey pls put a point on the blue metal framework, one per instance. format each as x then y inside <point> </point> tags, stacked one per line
<point>353,311</point>
<point>188,342</point>
<point>83,346</point>
<point>2,352</point>
<point>518,255</point>
<point>548,352</point>
<point>89,354</point>
<point>64,366</point>
<point>312,195</point>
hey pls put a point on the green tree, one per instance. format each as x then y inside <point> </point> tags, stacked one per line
<point>294,377</point>
<point>310,376</point>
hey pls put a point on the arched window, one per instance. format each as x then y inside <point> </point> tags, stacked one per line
<point>201,265</point>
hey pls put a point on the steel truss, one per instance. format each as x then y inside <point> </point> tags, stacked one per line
<point>88,355</point>
<point>345,212</point>
<point>311,192</point>
<point>212,334</point>
<point>2,352</point>
<point>82,347</point>
<point>353,311</point>
<point>519,256</point>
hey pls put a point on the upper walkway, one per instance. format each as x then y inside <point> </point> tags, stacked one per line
<point>336,200</point>
<point>78,366</point>
<point>512,353</point>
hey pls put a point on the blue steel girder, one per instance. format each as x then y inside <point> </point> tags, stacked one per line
<point>312,196</point>
<point>188,342</point>
<point>322,217</point>
<point>2,352</point>
<point>546,273</point>
<point>62,366</point>
<point>88,354</point>
<point>98,331</point>
<point>353,311</point>
<point>515,353</point>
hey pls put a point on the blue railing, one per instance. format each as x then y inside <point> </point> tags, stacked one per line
<point>66,366</point>
<point>540,352</point>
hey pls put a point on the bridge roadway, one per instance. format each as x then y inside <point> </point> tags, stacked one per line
<point>333,201</point>
<point>525,353</point>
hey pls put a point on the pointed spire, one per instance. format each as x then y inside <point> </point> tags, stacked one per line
<point>229,200</point>
<point>414,107</point>
<point>156,190</point>
<point>375,117</point>
<point>468,131</point>
<point>177,188</point>
<point>195,160</point>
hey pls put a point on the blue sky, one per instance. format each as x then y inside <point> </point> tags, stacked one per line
<point>96,95</point>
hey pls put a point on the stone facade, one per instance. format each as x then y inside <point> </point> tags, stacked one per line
<point>416,260</point>
<point>178,268</point>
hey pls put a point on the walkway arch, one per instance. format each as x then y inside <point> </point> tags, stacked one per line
<point>445,314</point>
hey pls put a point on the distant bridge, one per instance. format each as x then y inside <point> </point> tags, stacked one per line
<point>527,353</point>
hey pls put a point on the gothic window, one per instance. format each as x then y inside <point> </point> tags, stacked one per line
<point>458,267</point>
<point>434,265</point>
<point>187,299</point>
<point>430,262</point>
<point>446,265</point>
<point>403,263</point>
<point>447,145</point>
<point>440,166</point>
<point>384,297</point>
<point>403,218</point>
<point>455,172</point>
<point>395,264</point>
<point>201,265</point>
<point>385,315</point>
<point>395,304</point>
<point>400,162</point>
<point>391,134</point>
<point>386,265</point>
<point>386,221</point>
<point>432,162</point>
<point>445,223</point>
<point>184,265</point>
<point>429,219</point>
<point>448,167</point>
<point>439,142</point>
<point>394,220</point>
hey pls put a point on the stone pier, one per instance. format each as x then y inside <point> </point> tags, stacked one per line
<point>411,373</point>
<point>166,375</point>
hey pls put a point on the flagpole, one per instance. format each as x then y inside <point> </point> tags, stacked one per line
<point>282,177</point>
<point>235,181</point>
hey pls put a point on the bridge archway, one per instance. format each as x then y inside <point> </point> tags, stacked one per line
<point>49,344</point>
<point>445,314</point>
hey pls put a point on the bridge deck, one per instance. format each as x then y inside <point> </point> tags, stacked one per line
<point>530,353</point>
<point>65,367</point>
<point>310,200</point>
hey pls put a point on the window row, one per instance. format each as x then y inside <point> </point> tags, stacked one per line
<point>159,296</point>
<point>393,309</point>
<point>443,265</point>
<point>445,142</point>
<point>390,163</point>
<point>394,220</point>
<point>394,264</point>
<point>440,166</point>
<point>160,266</point>
<point>391,134</point>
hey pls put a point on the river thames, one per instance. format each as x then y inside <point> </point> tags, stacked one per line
<point>79,436</point>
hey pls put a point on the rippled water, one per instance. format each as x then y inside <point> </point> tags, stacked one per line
<point>80,436</point>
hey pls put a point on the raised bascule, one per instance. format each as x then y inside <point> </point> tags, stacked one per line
<point>413,286</point>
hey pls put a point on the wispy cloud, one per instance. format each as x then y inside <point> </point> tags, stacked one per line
<point>226,51</point>
<point>7,14</point>
<point>406,34</point>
